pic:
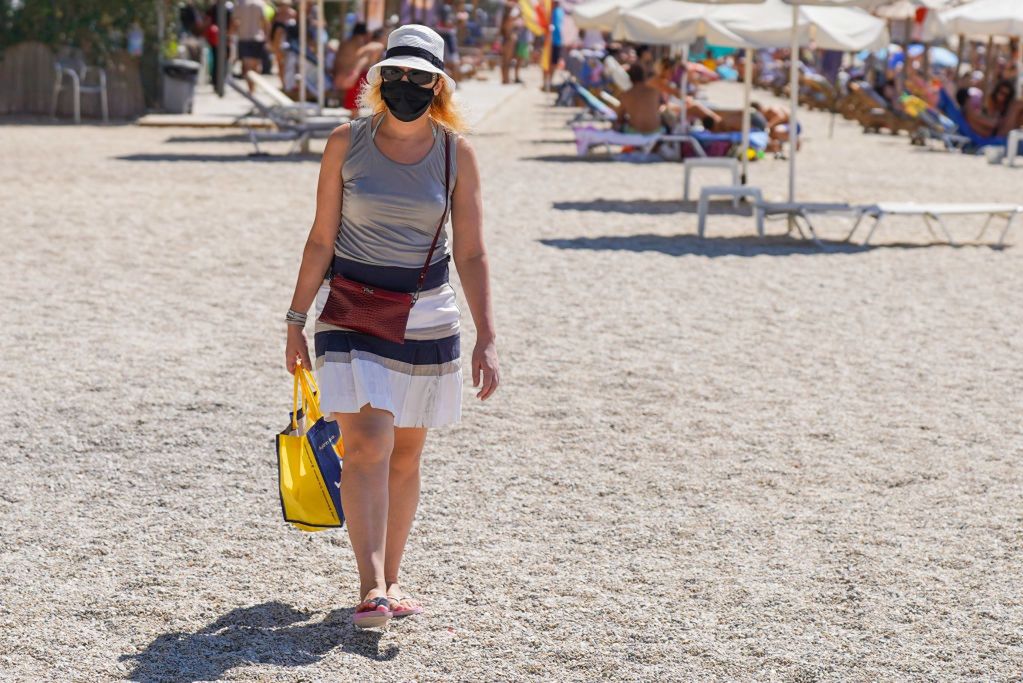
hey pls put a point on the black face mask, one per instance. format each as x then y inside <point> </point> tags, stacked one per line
<point>407,101</point>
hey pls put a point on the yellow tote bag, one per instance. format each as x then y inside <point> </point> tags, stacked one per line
<point>309,462</point>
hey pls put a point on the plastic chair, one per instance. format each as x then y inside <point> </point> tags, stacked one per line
<point>77,71</point>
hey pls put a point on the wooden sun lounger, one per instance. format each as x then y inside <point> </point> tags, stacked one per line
<point>933,214</point>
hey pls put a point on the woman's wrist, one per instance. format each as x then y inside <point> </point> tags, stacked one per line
<point>295,319</point>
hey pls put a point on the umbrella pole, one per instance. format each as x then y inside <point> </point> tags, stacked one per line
<point>301,52</point>
<point>960,53</point>
<point>321,24</point>
<point>747,82</point>
<point>221,71</point>
<point>794,102</point>
<point>989,63</point>
<point>1019,66</point>
<point>684,85</point>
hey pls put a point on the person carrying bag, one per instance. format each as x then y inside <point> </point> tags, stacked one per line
<point>387,338</point>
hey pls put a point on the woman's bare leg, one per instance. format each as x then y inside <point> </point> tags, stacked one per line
<point>369,439</point>
<point>402,501</point>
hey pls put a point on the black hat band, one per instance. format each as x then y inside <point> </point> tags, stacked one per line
<point>410,51</point>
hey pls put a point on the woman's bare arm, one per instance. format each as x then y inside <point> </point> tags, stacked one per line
<point>319,246</point>
<point>470,257</point>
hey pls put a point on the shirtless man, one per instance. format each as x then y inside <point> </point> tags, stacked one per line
<point>253,29</point>
<point>640,105</point>
<point>351,75</point>
<point>346,73</point>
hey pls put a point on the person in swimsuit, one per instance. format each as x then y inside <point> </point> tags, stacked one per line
<point>392,168</point>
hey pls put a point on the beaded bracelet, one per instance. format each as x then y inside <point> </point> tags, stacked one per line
<point>293,317</point>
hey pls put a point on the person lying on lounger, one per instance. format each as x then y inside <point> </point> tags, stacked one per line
<point>995,116</point>
<point>640,105</point>
<point>666,81</point>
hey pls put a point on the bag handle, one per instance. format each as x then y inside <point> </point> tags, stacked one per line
<point>310,397</point>
<point>443,216</point>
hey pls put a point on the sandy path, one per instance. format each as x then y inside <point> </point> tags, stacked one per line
<point>717,460</point>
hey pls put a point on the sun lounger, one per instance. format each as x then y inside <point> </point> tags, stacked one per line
<point>950,109</point>
<point>593,108</point>
<point>933,214</point>
<point>865,105</point>
<point>288,116</point>
<point>281,100</point>
<point>816,92</point>
<point>588,137</point>
<point>799,214</point>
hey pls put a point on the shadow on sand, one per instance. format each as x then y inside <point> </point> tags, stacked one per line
<point>684,245</point>
<point>648,206</point>
<point>271,633</point>
<point>231,158</point>
<point>215,137</point>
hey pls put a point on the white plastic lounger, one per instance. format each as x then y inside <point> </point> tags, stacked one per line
<point>287,115</point>
<point>934,213</point>
<point>285,103</point>
<point>795,211</point>
<point>588,137</point>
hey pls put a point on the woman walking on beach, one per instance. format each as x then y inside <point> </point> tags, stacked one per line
<point>386,184</point>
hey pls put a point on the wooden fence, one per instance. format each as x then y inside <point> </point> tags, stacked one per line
<point>27,78</point>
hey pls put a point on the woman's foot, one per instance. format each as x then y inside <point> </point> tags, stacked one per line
<point>374,610</point>
<point>402,604</point>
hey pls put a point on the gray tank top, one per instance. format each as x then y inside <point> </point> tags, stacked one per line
<point>390,211</point>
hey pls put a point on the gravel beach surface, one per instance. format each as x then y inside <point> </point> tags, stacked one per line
<point>710,460</point>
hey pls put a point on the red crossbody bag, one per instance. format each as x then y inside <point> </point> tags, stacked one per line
<point>376,311</point>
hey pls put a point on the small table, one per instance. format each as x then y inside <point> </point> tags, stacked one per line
<point>735,192</point>
<point>728,163</point>
<point>1012,151</point>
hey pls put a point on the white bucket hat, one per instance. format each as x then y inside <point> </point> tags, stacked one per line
<point>413,47</point>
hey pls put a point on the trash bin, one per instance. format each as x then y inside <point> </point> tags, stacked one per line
<point>179,79</point>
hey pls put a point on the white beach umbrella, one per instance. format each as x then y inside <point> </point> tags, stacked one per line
<point>828,24</point>
<point>677,22</point>
<point>674,22</point>
<point>987,18</point>
<point>601,14</point>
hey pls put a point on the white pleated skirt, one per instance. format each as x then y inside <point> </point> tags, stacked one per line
<point>418,382</point>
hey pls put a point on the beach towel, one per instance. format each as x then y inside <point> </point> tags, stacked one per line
<point>309,462</point>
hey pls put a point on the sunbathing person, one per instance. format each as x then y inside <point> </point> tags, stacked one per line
<point>1006,110</point>
<point>971,103</point>
<point>640,105</point>
<point>776,120</point>
<point>665,81</point>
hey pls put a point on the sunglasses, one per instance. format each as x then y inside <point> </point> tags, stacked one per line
<point>417,76</point>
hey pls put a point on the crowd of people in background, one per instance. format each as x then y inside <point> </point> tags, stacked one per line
<point>655,90</point>
<point>263,36</point>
